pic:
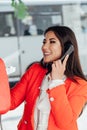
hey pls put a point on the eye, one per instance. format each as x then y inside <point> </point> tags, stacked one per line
<point>44,41</point>
<point>52,41</point>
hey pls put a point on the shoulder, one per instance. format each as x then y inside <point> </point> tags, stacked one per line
<point>34,66</point>
<point>79,87</point>
<point>36,69</point>
<point>35,63</point>
<point>32,71</point>
<point>81,81</point>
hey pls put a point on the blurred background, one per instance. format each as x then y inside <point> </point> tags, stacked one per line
<point>21,39</point>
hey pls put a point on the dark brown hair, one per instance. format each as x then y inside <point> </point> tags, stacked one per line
<point>66,35</point>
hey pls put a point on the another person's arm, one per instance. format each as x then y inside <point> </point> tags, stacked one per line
<point>4,89</point>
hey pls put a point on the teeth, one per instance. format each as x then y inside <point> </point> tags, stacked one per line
<point>46,53</point>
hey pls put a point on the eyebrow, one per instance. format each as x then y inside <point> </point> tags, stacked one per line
<point>49,39</point>
<point>52,39</point>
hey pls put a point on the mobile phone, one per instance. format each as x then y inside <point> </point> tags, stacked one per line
<point>68,52</point>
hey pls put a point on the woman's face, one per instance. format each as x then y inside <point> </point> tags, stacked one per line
<point>51,47</point>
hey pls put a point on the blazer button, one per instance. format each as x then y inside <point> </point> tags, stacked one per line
<point>25,122</point>
<point>51,99</point>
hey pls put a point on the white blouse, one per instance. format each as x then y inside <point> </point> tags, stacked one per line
<point>43,107</point>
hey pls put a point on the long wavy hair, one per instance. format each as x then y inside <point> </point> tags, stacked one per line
<point>66,35</point>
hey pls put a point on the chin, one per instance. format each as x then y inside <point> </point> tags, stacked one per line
<point>47,61</point>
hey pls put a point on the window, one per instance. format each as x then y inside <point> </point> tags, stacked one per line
<point>7,24</point>
<point>84,17</point>
<point>40,18</point>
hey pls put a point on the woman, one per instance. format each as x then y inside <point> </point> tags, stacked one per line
<point>54,90</point>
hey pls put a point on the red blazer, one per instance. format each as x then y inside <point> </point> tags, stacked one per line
<point>4,89</point>
<point>66,100</point>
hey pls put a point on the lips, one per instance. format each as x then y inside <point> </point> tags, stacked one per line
<point>46,54</point>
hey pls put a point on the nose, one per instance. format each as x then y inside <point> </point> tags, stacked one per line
<point>45,46</point>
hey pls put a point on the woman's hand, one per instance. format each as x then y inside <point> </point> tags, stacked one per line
<point>58,68</point>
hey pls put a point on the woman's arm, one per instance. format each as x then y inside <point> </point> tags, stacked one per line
<point>19,91</point>
<point>67,106</point>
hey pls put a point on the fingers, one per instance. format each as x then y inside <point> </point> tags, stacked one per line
<point>59,64</point>
<point>58,68</point>
<point>65,60</point>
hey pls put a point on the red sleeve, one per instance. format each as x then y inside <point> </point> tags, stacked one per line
<point>4,89</point>
<point>67,106</point>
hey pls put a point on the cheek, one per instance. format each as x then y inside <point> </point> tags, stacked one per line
<point>58,51</point>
